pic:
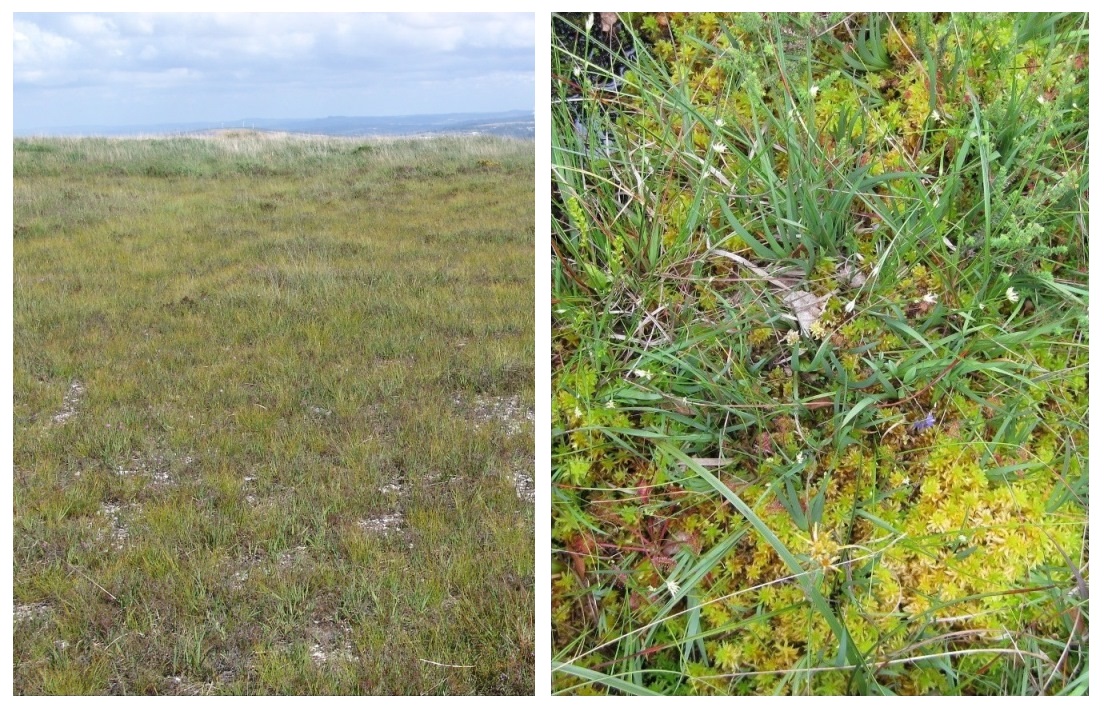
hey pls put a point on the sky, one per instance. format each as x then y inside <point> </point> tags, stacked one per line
<point>124,69</point>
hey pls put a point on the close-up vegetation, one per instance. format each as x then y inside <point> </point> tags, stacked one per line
<point>273,415</point>
<point>820,353</point>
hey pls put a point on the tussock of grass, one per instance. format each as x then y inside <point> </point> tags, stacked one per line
<point>250,452</point>
<point>820,354</point>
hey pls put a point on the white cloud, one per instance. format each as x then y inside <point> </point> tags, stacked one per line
<point>348,63</point>
<point>34,48</point>
<point>91,26</point>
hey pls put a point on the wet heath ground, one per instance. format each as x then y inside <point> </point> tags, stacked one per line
<point>273,403</point>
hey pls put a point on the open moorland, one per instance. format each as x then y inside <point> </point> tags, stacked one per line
<point>273,416</point>
<point>820,354</point>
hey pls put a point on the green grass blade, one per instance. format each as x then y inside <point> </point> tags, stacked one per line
<point>610,681</point>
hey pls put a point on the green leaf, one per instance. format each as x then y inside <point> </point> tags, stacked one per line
<point>598,280</point>
<point>877,521</point>
<point>853,412</point>
<point>774,252</point>
<point>905,329</point>
<point>609,681</point>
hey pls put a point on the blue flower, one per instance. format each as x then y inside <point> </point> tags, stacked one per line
<point>926,423</point>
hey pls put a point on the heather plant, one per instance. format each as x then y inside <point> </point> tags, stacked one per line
<point>820,351</point>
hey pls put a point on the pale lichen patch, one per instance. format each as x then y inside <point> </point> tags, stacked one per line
<point>331,642</point>
<point>383,524</point>
<point>507,410</point>
<point>391,489</point>
<point>69,405</point>
<point>524,486</point>
<point>119,530</point>
<point>30,612</point>
<point>154,467</point>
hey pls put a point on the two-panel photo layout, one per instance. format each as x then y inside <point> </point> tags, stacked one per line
<point>794,307</point>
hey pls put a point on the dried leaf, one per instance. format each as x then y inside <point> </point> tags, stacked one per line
<point>662,21</point>
<point>806,307</point>
<point>763,274</point>
<point>607,20</point>
<point>787,277</point>
<point>850,276</point>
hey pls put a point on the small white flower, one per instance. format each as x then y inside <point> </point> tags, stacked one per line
<point>577,70</point>
<point>578,413</point>
<point>792,337</point>
<point>719,122</point>
<point>962,539</point>
<point>641,373</point>
<point>935,116</point>
<point>981,306</point>
<point>610,405</point>
<point>1041,100</point>
<point>849,307</point>
<point>800,457</point>
<point>590,23</point>
<point>1012,295</point>
<point>814,90</point>
<point>950,246</point>
<point>673,587</point>
<point>719,147</point>
<point>930,298</point>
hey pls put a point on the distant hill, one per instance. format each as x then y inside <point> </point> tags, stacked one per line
<point>519,124</point>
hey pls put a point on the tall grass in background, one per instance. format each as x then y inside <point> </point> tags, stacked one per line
<point>820,348</point>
